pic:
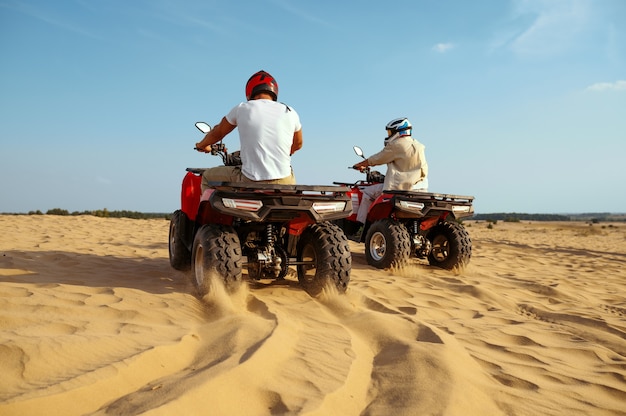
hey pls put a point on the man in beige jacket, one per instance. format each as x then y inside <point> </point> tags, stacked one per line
<point>406,165</point>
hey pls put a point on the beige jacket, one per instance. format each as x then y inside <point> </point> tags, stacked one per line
<point>406,163</point>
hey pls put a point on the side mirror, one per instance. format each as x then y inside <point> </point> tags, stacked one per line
<point>358,151</point>
<point>203,127</point>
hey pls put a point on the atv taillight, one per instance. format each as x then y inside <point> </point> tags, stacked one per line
<point>326,207</point>
<point>460,208</point>
<point>242,204</point>
<point>411,206</point>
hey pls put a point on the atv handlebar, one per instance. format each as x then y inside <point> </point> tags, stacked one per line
<point>371,177</point>
<point>215,148</point>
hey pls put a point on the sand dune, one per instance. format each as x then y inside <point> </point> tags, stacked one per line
<point>94,321</point>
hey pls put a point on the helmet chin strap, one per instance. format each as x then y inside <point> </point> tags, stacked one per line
<point>391,138</point>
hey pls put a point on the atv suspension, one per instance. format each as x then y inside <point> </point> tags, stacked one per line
<point>266,259</point>
<point>420,245</point>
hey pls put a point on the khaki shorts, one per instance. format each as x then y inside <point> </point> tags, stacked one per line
<point>233,174</point>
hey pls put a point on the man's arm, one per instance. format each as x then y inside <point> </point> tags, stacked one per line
<point>297,142</point>
<point>215,135</point>
<point>386,155</point>
<point>422,156</point>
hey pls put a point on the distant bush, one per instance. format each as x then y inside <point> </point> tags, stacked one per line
<point>104,213</point>
<point>57,211</point>
<point>595,217</point>
<point>514,216</point>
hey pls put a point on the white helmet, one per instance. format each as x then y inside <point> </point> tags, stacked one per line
<point>398,127</point>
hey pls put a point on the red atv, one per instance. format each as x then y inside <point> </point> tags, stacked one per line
<point>264,228</point>
<point>402,224</point>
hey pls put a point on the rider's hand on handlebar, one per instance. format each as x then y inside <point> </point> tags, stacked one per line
<point>361,166</point>
<point>201,149</point>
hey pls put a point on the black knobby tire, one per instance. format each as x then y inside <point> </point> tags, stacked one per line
<point>180,255</point>
<point>451,245</point>
<point>325,247</point>
<point>387,244</point>
<point>216,254</point>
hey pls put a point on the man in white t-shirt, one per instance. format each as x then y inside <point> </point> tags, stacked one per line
<point>269,133</point>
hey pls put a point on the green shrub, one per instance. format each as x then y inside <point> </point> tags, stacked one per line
<point>57,211</point>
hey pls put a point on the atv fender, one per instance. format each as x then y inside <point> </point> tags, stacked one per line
<point>190,194</point>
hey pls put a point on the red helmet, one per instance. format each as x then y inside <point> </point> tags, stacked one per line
<point>261,82</point>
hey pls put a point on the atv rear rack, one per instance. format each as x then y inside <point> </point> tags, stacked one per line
<point>269,187</point>
<point>432,197</point>
<point>410,203</point>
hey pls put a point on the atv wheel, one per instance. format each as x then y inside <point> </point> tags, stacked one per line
<point>387,244</point>
<point>452,246</point>
<point>180,256</point>
<point>325,250</point>
<point>216,254</point>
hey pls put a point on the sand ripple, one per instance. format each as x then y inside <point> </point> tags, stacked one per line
<point>94,321</point>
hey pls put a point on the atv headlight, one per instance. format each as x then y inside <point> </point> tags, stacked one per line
<point>410,205</point>
<point>326,207</point>
<point>460,208</point>
<point>242,204</point>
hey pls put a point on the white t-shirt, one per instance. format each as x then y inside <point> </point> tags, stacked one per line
<point>266,130</point>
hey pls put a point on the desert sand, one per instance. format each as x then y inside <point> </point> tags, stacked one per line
<point>93,320</point>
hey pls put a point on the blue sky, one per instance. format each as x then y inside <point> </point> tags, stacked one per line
<point>521,104</point>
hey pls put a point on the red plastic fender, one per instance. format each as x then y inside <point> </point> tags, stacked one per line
<point>355,195</point>
<point>380,208</point>
<point>190,195</point>
<point>431,222</point>
<point>299,224</point>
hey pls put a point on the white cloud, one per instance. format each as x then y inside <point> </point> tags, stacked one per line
<point>443,47</point>
<point>607,86</point>
<point>300,12</point>
<point>544,26</point>
<point>50,16</point>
